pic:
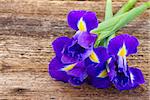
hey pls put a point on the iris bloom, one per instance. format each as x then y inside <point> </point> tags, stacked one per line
<point>96,68</point>
<point>73,72</point>
<point>122,76</point>
<point>68,65</point>
<point>81,45</point>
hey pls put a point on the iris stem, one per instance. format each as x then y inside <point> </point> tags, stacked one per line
<point>108,15</point>
<point>108,10</point>
<point>126,7</point>
<point>107,24</point>
<point>125,18</point>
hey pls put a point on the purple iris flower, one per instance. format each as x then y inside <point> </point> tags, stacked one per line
<point>69,51</point>
<point>68,65</point>
<point>67,69</point>
<point>81,44</point>
<point>96,68</point>
<point>122,76</point>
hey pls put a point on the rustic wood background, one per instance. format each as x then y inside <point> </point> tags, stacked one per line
<point>28,27</point>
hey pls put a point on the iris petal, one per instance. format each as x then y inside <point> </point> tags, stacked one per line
<point>78,74</point>
<point>90,20</point>
<point>82,20</point>
<point>136,75</point>
<point>74,17</point>
<point>134,79</point>
<point>100,82</point>
<point>119,42</point>
<point>72,73</point>
<point>86,40</point>
<point>59,44</point>
<point>75,53</point>
<point>100,54</point>
<point>124,79</point>
<point>54,70</point>
<point>97,76</point>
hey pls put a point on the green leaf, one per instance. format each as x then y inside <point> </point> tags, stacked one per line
<point>108,15</point>
<point>108,24</point>
<point>126,7</point>
<point>108,10</point>
<point>129,16</point>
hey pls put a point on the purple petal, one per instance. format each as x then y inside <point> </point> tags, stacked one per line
<point>78,74</point>
<point>86,40</point>
<point>59,44</point>
<point>88,17</point>
<point>101,53</point>
<point>93,71</point>
<point>75,53</point>
<point>117,43</point>
<point>111,68</point>
<point>75,81</point>
<point>98,55</point>
<point>131,44</point>
<point>66,59</point>
<point>122,81</point>
<point>74,17</point>
<point>78,70</point>
<point>100,82</point>
<point>120,78</point>
<point>137,75</point>
<point>90,20</point>
<point>55,70</point>
<point>132,79</point>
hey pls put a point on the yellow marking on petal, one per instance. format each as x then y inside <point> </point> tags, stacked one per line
<point>102,74</point>
<point>93,57</point>
<point>82,25</point>
<point>123,51</point>
<point>69,67</point>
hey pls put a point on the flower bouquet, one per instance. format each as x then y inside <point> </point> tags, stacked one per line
<point>95,54</point>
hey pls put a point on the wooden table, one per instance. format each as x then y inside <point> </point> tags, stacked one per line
<point>28,27</point>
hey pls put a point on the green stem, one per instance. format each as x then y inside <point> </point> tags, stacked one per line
<point>126,7</point>
<point>129,16</point>
<point>108,10</point>
<point>108,24</point>
<point>108,15</point>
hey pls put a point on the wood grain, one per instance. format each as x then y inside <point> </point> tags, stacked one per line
<point>28,27</point>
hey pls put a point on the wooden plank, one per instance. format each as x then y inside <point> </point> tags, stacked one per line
<point>28,27</point>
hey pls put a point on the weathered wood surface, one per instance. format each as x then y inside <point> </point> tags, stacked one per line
<point>28,27</point>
